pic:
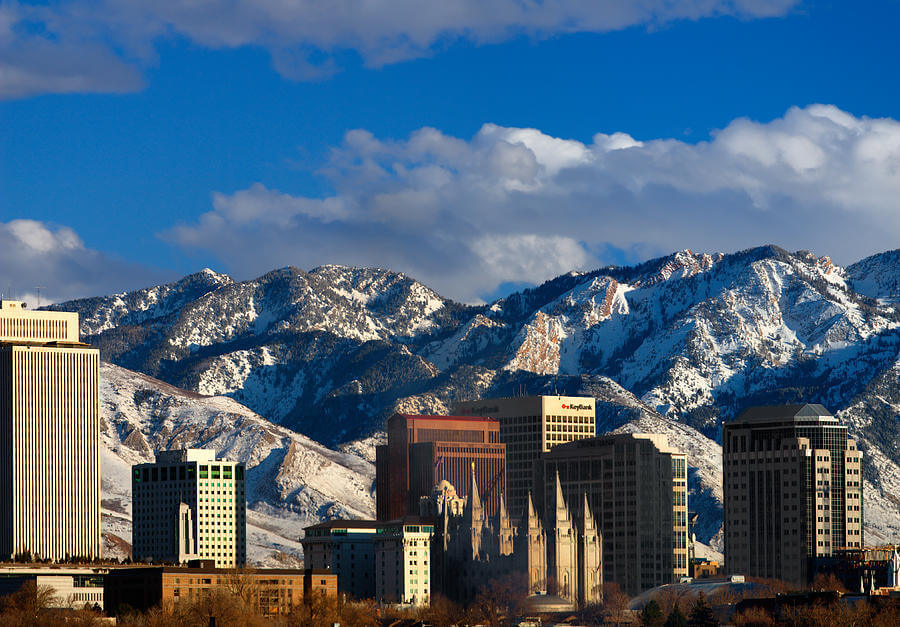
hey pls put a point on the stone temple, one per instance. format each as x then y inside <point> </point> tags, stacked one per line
<point>555,559</point>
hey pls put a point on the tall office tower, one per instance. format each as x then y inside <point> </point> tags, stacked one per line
<point>422,451</point>
<point>49,432</point>
<point>189,505</point>
<point>792,491</point>
<point>529,426</point>
<point>636,485</point>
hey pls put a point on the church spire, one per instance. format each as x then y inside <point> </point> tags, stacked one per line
<point>502,514</point>
<point>531,513</point>
<point>588,518</point>
<point>474,498</point>
<point>562,510</point>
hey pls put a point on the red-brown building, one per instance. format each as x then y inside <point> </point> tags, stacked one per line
<point>422,451</point>
<point>270,591</point>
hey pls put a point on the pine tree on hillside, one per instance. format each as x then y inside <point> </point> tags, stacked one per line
<point>702,614</point>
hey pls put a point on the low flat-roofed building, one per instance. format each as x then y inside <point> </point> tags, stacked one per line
<point>72,586</point>
<point>274,591</point>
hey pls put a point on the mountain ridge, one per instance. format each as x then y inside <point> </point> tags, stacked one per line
<point>692,338</point>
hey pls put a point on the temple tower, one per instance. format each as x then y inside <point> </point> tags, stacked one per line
<point>590,559</point>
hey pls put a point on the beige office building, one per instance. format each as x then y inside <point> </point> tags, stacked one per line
<point>793,492</point>
<point>636,486</point>
<point>189,505</point>
<point>49,432</point>
<point>530,426</point>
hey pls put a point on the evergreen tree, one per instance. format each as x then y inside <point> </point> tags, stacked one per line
<point>651,615</point>
<point>702,614</point>
<point>676,619</point>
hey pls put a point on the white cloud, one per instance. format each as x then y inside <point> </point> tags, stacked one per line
<point>519,205</point>
<point>95,45</point>
<point>32,62</point>
<point>35,254</point>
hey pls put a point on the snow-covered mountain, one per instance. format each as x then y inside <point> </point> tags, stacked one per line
<point>291,480</point>
<point>680,343</point>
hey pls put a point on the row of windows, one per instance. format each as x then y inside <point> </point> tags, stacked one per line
<point>149,474</point>
<point>34,328</point>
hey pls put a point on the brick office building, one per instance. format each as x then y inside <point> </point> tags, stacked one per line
<point>270,591</point>
<point>422,451</point>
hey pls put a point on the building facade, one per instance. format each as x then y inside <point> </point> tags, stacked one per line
<point>70,587</point>
<point>636,485</point>
<point>49,436</point>
<point>346,548</point>
<point>189,505</point>
<point>403,562</point>
<point>792,483</point>
<point>530,426</point>
<point>386,561</point>
<point>557,556</point>
<point>422,451</point>
<point>269,591</point>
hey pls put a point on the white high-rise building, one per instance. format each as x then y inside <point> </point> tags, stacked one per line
<point>189,505</point>
<point>49,436</point>
<point>403,562</point>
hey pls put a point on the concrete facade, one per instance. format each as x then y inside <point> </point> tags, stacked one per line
<point>793,494</point>
<point>49,436</point>
<point>530,426</point>
<point>189,505</point>
<point>636,485</point>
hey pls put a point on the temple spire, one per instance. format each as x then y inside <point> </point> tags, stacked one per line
<point>562,510</point>
<point>474,498</point>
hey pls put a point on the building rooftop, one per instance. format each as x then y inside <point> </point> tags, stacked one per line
<point>659,440</point>
<point>786,413</point>
<point>466,418</point>
<point>216,571</point>
<point>371,524</point>
<point>186,455</point>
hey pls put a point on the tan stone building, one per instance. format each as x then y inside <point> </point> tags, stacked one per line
<point>530,426</point>
<point>792,481</point>
<point>636,485</point>
<point>49,436</point>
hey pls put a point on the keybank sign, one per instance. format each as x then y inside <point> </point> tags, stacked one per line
<point>578,407</point>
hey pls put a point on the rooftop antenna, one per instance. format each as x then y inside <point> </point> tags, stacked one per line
<point>39,288</point>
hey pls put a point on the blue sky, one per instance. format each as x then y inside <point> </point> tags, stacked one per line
<point>143,146</point>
